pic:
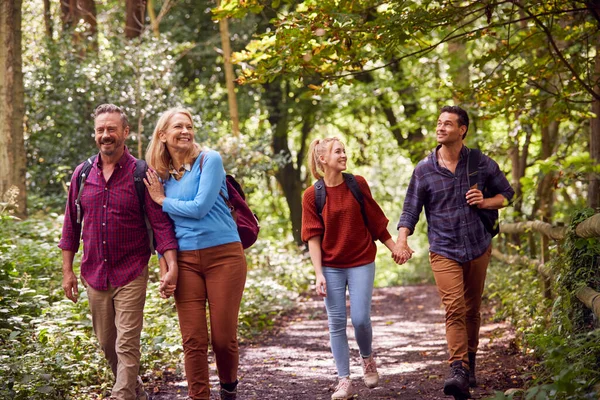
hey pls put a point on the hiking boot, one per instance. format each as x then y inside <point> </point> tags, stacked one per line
<point>140,393</point>
<point>370,375</point>
<point>472,379</point>
<point>228,391</point>
<point>343,389</point>
<point>227,395</point>
<point>457,384</point>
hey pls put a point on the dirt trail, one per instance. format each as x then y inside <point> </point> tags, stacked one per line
<point>294,361</point>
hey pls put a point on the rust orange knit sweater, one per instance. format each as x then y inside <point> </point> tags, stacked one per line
<point>346,241</point>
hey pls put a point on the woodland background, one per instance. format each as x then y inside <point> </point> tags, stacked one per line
<point>264,78</point>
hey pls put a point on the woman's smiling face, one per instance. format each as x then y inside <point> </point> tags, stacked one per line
<point>179,135</point>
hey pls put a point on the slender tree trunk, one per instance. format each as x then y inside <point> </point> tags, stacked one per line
<point>134,18</point>
<point>12,107</point>
<point>153,20</point>
<point>593,199</point>
<point>48,19</point>
<point>229,76</point>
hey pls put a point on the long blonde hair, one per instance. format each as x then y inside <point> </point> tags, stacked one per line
<point>157,155</point>
<point>317,148</point>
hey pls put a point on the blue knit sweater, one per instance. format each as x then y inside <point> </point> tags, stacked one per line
<point>201,217</point>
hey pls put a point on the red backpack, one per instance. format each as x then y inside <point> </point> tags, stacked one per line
<point>245,219</point>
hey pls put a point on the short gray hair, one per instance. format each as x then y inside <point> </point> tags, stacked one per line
<point>111,108</point>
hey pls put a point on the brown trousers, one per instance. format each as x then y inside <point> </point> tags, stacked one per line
<point>216,275</point>
<point>460,286</point>
<point>118,317</point>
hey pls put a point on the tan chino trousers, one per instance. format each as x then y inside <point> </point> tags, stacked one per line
<point>117,317</point>
<point>460,286</point>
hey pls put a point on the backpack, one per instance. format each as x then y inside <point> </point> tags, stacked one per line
<point>138,180</point>
<point>489,218</point>
<point>246,221</point>
<point>321,194</point>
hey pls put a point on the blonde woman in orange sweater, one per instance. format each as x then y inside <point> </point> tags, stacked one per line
<point>341,242</point>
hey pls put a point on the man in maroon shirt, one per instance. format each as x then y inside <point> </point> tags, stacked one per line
<point>114,266</point>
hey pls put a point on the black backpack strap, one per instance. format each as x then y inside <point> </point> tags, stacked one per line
<point>83,174</point>
<point>320,195</point>
<point>357,193</point>
<point>473,158</point>
<point>139,173</point>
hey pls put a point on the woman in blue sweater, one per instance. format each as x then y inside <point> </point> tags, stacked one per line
<point>211,261</point>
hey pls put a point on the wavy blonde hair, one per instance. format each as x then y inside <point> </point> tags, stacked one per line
<point>157,155</point>
<point>319,147</point>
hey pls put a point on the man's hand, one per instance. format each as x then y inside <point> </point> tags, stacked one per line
<point>69,285</point>
<point>475,198</point>
<point>168,279</point>
<point>402,252</point>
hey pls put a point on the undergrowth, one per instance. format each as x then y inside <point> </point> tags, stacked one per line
<point>47,346</point>
<point>560,332</point>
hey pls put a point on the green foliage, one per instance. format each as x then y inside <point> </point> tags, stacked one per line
<point>561,332</point>
<point>48,349</point>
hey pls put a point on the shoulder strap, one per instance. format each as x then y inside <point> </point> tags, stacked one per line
<point>473,164</point>
<point>138,179</point>
<point>83,174</point>
<point>139,173</point>
<point>357,193</point>
<point>320,195</point>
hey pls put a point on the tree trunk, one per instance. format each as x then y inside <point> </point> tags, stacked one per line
<point>134,18</point>
<point>229,77</point>
<point>72,12</point>
<point>593,198</point>
<point>288,175</point>
<point>12,106</point>
<point>153,20</point>
<point>48,19</point>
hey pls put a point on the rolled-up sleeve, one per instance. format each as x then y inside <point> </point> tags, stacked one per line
<point>162,226</point>
<point>496,181</point>
<point>413,203</point>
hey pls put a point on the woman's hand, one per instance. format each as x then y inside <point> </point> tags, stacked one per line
<point>155,187</point>
<point>168,284</point>
<point>321,285</point>
<point>168,280</point>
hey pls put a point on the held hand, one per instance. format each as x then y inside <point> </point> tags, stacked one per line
<point>155,187</point>
<point>402,252</point>
<point>168,280</point>
<point>69,285</point>
<point>168,284</point>
<point>475,198</point>
<point>321,285</point>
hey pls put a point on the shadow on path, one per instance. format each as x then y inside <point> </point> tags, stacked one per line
<point>294,362</point>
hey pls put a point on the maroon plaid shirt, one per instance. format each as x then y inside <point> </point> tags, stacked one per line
<point>115,241</point>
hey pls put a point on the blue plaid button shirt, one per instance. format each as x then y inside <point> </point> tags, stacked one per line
<point>454,228</point>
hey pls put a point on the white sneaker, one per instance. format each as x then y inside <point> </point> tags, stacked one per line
<point>343,389</point>
<point>370,375</point>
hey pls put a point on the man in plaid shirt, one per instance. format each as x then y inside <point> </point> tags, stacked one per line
<point>116,249</point>
<point>460,246</point>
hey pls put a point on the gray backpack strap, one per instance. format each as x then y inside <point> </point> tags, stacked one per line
<point>320,195</point>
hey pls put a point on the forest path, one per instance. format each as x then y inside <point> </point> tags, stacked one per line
<point>294,361</point>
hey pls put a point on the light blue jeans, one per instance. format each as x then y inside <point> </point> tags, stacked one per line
<point>359,281</point>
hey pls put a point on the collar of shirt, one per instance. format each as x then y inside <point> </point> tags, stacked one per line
<point>125,159</point>
<point>464,152</point>
<point>175,173</point>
